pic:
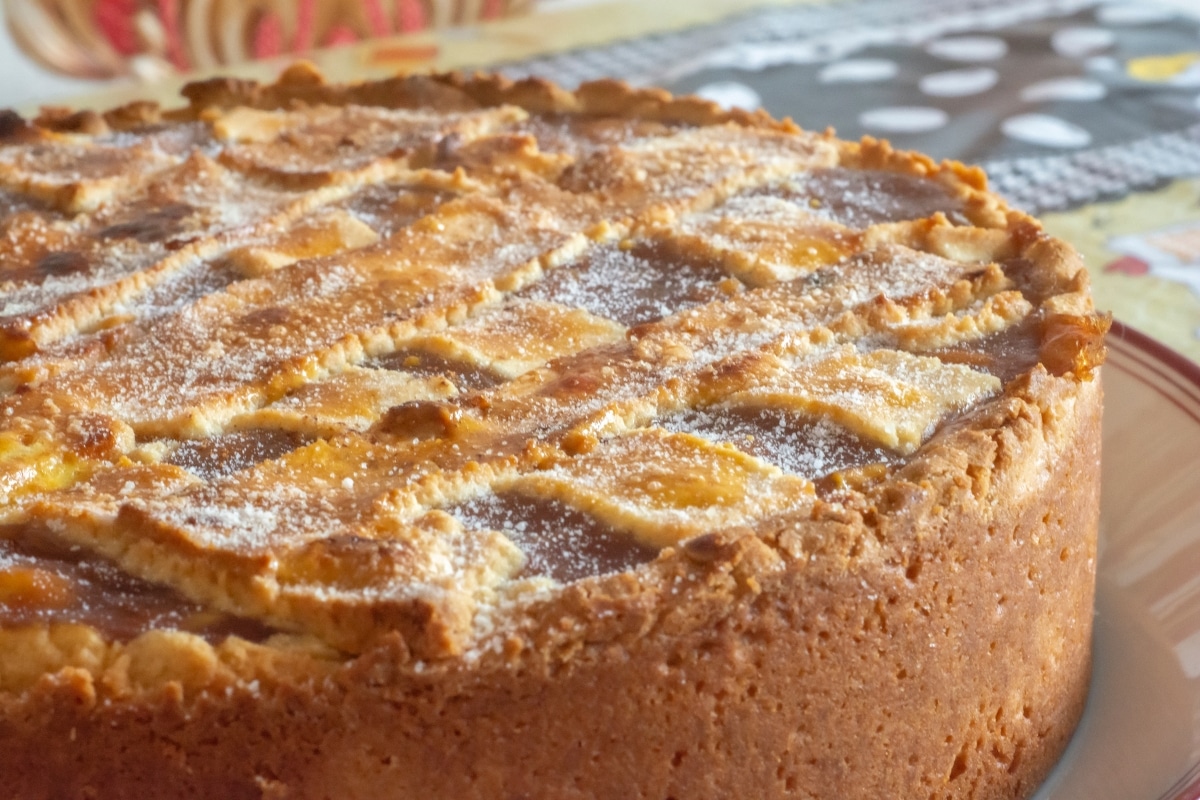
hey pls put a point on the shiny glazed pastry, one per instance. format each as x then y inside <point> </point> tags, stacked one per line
<point>446,437</point>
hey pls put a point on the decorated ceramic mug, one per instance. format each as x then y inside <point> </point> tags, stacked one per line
<point>149,38</point>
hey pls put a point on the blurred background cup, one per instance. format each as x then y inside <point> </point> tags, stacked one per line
<point>74,42</point>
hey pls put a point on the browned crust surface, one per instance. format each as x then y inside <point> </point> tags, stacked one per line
<point>937,622</point>
<point>958,657</point>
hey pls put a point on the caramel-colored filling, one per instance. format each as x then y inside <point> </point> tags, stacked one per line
<point>631,285</point>
<point>558,541</point>
<point>148,226</point>
<point>861,198</point>
<point>794,443</point>
<point>233,452</point>
<point>1007,354</point>
<point>43,580</point>
<point>388,208</point>
<point>423,364</point>
<point>576,135</point>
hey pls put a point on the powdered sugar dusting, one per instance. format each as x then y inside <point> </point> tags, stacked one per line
<point>558,541</point>
<point>809,446</point>
<point>631,284</point>
<point>629,335</point>
<point>861,198</point>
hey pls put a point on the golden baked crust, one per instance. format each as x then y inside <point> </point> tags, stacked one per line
<point>452,437</point>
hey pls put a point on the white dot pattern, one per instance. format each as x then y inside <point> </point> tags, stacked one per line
<point>874,61</point>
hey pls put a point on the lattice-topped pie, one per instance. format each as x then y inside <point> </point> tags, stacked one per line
<point>449,437</point>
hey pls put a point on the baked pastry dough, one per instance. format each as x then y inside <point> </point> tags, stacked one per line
<point>452,437</point>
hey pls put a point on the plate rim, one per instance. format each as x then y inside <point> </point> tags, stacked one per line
<point>1183,375</point>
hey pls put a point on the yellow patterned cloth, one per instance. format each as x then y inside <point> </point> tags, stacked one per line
<point>1144,255</point>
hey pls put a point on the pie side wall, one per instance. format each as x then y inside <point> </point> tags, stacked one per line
<point>859,682</point>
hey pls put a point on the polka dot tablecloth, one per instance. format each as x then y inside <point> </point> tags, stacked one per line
<point>1084,112</point>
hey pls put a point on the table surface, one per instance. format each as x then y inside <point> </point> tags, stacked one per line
<point>1086,113</point>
